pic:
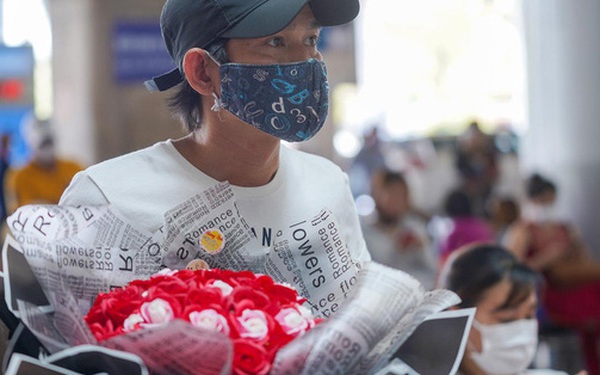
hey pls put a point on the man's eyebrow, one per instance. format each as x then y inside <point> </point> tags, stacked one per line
<point>315,25</point>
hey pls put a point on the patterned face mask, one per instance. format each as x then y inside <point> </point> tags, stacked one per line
<point>288,101</point>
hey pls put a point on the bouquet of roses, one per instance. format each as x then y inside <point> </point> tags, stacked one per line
<point>211,321</point>
<point>258,314</point>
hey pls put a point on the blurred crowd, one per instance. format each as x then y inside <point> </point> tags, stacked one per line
<point>475,215</point>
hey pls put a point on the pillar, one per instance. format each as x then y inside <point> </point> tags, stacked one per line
<point>96,115</point>
<point>562,140</point>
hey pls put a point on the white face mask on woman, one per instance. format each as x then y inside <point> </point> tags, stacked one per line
<point>506,348</point>
<point>542,213</point>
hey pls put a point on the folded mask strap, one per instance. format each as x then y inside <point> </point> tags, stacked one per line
<point>218,105</point>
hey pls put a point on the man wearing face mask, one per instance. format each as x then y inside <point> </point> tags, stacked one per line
<point>248,76</point>
<point>44,178</point>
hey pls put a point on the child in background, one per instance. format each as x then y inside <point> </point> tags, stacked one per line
<point>395,235</point>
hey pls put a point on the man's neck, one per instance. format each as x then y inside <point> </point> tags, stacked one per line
<point>229,150</point>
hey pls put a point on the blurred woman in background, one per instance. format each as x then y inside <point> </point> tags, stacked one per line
<point>504,336</point>
<point>466,227</point>
<point>552,246</point>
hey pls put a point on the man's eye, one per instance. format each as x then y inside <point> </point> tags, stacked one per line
<point>312,41</point>
<point>275,41</point>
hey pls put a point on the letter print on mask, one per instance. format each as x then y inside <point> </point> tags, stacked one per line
<point>289,101</point>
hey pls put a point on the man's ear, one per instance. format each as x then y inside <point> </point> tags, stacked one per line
<point>200,71</point>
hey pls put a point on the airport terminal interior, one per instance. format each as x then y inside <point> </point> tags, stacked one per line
<point>412,84</point>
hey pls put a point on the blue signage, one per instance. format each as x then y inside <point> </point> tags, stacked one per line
<point>16,98</point>
<point>138,52</point>
<point>11,120</point>
<point>16,62</point>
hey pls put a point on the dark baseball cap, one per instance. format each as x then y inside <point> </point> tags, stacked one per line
<point>187,24</point>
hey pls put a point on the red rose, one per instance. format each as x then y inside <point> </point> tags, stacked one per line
<point>175,303</point>
<point>186,275</point>
<point>105,331</point>
<point>173,285</point>
<point>232,278</point>
<point>119,310</point>
<point>282,294</point>
<point>249,358</point>
<point>205,297</point>
<point>277,339</point>
<point>115,306</point>
<point>245,297</point>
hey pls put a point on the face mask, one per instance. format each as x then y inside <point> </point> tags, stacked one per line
<point>288,101</point>
<point>542,213</point>
<point>506,348</point>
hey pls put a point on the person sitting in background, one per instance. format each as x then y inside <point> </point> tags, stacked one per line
<point>44,178</point>
<point>466,227</point>
<point>477,166</point>
<point>394,235</point>
<point>369,159</point>
<point>552,246</point>
<point>504,211</point>
<point>504,335</point>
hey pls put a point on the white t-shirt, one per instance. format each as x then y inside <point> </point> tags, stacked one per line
<point>143,185</point>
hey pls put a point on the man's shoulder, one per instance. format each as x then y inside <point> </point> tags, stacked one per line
<point>130,163</point>
<point>309,161</point>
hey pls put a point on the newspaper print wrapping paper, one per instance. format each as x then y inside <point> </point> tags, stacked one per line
<point>77,252</point>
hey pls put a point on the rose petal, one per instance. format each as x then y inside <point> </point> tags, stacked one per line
<point>209,319</point>
<point>157,311</point>
<point>253,324</point>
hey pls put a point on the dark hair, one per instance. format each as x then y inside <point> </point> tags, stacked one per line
<point>458,204</point>
<point>185,103</point>
<point>474,270</point>
<point>506,210</point>
<point>538,185</point>
<point>392,177</point>
<point>385,177</point>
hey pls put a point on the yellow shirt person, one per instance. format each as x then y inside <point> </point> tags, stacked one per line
<point>44,178</point>
<point>35,183</point>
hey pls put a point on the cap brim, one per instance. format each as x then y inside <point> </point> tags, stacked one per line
<point>334,12</point>
<point>274,15</point>
<point>164,81</point>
